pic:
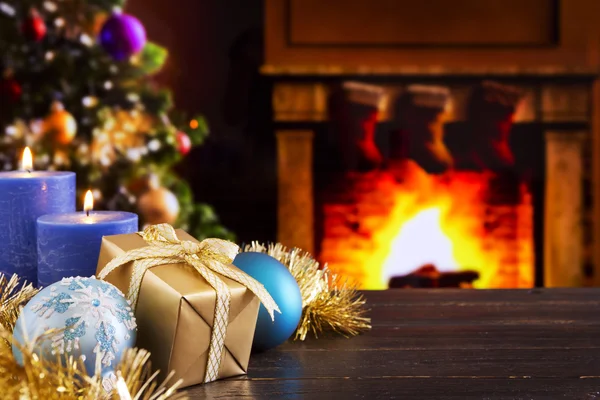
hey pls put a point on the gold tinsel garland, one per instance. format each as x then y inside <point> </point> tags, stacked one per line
<point>50,379</point>
<point>329,303</point>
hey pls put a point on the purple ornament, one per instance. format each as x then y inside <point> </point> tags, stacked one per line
<point>122,36</point>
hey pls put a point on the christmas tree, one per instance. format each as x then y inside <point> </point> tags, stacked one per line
<point>76,87</point>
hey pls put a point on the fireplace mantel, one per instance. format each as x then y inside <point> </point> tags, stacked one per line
<point>560,77</point>
<point>307,72</point>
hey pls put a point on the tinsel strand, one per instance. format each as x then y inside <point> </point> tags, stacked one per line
<point>329,303</point>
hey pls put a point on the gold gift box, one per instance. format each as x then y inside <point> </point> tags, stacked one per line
<point>175,313</point>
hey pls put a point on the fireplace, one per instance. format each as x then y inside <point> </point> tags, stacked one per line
<point>379,231</point>
<point>402,176</point>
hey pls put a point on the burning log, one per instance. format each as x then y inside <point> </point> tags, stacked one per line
<point>428,276</point>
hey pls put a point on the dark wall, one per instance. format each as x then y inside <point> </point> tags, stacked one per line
<point>198,35</point>
<point>215,51</point>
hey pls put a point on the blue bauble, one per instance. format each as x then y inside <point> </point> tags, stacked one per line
<point>282,286</point>
<point>92,317</point>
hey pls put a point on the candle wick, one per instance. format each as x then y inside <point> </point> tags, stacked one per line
<point>87,213</point>
<point>29,171</point>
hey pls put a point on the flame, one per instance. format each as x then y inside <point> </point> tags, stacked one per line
<point>421,241</point>
<point>88,202</point>
<point>27,160</point>
<point>442,220</point>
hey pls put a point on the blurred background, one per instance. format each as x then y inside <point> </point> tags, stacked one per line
<point>447,143</point>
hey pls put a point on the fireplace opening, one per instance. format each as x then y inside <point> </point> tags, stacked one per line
<point>401,227</point>
<point>420,198</point>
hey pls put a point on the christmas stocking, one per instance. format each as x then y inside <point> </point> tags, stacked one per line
<point>353,113</point>
<point>491,110</point>
<point>421,112</point>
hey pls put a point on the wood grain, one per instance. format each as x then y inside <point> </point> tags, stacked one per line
<point>442,344</point>
<point>457,33</point>
<point>431,23</point>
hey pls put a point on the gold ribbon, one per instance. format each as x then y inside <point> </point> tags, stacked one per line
<point>209,258</point>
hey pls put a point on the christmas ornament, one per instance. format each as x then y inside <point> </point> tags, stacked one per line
<point>50,380</point>
<point>59,125</point>
<point>10,90</point>
<point>122,36</point>
<point>282,286</point>
<point>421,113</point>
<point>34,27</point>
<point>329,302</point>
<point>89,319</point>
<point>184,143</point>
<point>158,205</point>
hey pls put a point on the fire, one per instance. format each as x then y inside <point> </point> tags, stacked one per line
<point>88,202</point>
<point>420,241</point>
<point>441,220</point>
<point>27,160</point>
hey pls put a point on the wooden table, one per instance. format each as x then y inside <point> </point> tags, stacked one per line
<point>442,344</point>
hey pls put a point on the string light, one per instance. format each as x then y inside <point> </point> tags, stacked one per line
<point>194,124</point>
<point>90,101</point>
<point>11,130</point>
<point>134,155</point>
<point>154,145</point>
<point>133,97</point>
<point>86,40</point>
<point>7,9</point>
<point>50,6</point>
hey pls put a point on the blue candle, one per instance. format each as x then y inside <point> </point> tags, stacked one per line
<point>69,244</point>
<point>24,196</point>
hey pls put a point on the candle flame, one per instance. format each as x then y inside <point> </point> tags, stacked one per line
<point>27,160</point>
<point>88,202</point>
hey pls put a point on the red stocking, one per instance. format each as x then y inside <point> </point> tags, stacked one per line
<point>354,115</point>
<point>421,114</point>
<point>491,111</point>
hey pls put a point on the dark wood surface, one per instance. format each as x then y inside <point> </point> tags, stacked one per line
<point>441,344</point>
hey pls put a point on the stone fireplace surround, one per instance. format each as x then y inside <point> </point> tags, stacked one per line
<point>558,105</point>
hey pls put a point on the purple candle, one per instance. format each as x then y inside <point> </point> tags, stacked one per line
<point>24,196</point>
<point>69,244</point>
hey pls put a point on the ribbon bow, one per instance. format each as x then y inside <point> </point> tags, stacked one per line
<point>209,258</point>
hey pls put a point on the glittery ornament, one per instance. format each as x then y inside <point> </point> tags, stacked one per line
<point>86,318</point>
<point>60,125</point>
<point>50,380</point>
<point>34,27</point>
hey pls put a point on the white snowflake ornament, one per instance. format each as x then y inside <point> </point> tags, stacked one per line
<point>89,318</point>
